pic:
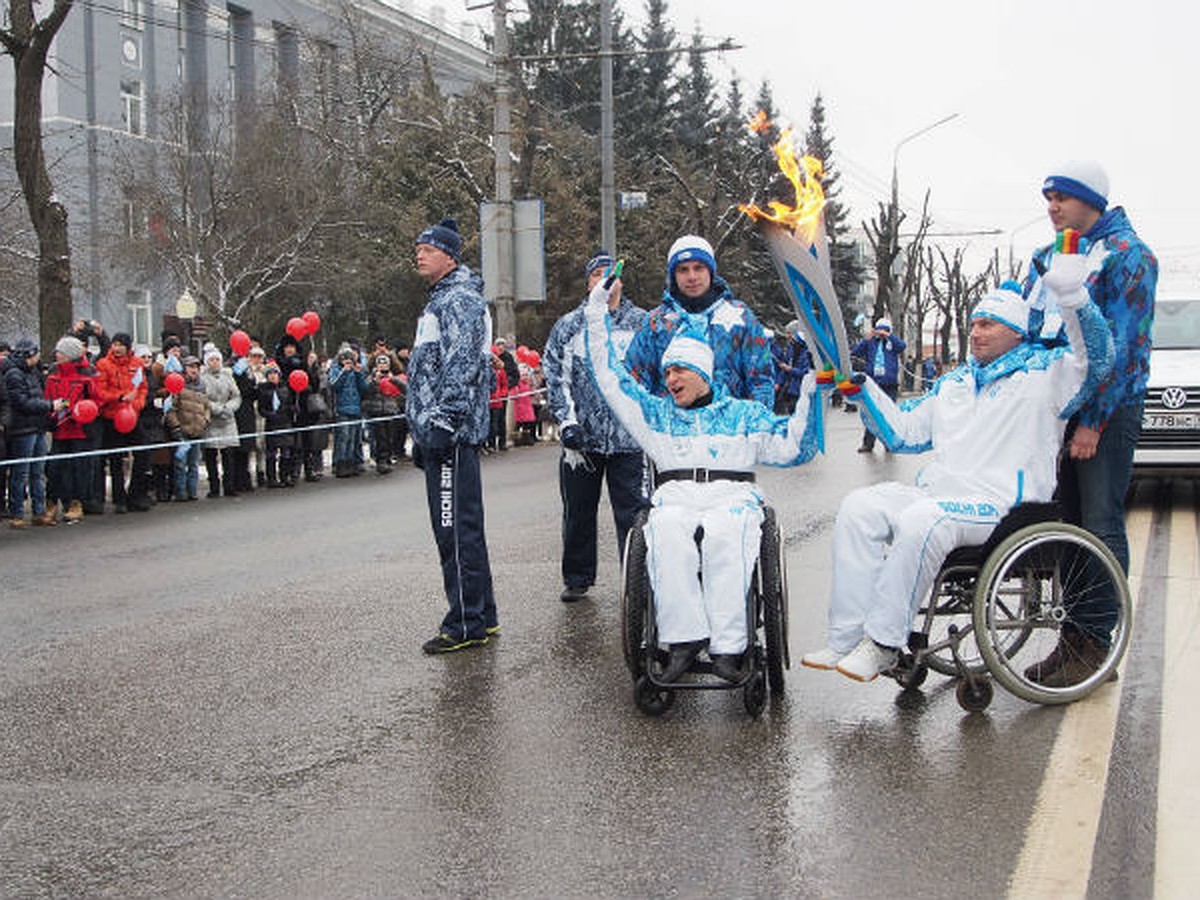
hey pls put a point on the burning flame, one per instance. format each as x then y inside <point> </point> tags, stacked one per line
<point>804,218</point>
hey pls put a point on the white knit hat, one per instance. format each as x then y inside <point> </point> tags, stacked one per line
<point>1084,179</point>
<point>691,351</point>
<point>1006,306</point>
<point>690,247</point>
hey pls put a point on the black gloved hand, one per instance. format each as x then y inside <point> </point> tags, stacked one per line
<point>571,437</point>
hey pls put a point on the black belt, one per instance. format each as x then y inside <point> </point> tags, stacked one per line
<point>701,475</point>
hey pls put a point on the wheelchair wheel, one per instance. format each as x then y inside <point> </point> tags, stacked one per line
<point>635,596</point>
<point>973,697</point>
<point>1042,585</point>
<point>950,603</point>
<point>754,694</point>
<point>773,595</point>
<point>650,699</point>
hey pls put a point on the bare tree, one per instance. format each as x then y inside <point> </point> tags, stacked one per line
<point>27,40</point>
<point>236,229</point>
<point>955,293</point>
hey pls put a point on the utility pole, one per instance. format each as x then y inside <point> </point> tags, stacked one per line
<point>506,320</point>
<point>608,216</point>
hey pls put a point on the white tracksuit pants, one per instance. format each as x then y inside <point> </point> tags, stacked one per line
<point>889,542</point>
<point>700,591</point>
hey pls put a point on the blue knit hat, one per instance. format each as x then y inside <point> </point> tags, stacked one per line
<point>444,235</point>
<point>690,247</point>
<point>1079,178</point>
<point>600,259</point>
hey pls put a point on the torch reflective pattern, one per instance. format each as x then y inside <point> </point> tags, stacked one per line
<point>795,237</point>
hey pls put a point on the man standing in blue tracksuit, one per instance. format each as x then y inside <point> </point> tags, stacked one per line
<point>449,379</point>
<point>596,446</point>
<point>880,354</point>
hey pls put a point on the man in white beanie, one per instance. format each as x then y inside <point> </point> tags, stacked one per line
<point>1102,436</point>
<point>993,427</point>
<point>705,444</point>
<point>880,355</point>
<point>741,354</point>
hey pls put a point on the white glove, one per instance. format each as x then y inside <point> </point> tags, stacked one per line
<point>598,298</point>
<point>1066,277</point>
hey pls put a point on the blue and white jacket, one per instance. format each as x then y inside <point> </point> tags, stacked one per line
<point>449,371</point>
<point>994,431</point>
<point>574,397</point>
<point>741,355</point>
<point>1123,282</point>
<point>729,433</point>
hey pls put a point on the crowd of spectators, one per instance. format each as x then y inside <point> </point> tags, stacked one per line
<point>112,426</point>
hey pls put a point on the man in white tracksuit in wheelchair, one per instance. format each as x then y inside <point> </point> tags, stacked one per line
<point>702,534</point>
<point>994,427</point>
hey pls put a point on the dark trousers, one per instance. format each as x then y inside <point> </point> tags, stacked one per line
<point>115,463</point>
<point>455,494</point>
<point>1092,492</point>
<point>68,479</point>
<point>227,471</point>
<point>579,487</point>
<point>892,391</point>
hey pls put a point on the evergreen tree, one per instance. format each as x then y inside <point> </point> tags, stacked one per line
<point>648,114</point>
<point>695,110</point>
<point>846,268</point>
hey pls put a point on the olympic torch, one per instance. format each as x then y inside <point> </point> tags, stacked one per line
<point>795,237</point>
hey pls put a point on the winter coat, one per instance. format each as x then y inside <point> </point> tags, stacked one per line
<point>70,381</point>
<point>795,354</point>
<point>572,392</point>
<point>247,422</point>
<point>5,412</point>
<point>1123,282</point>
<point>523,402</point>
<point>993,431</point>
<point>449,372</point>
<point>874,351</point>
<point>741,358</point>
<point>189,414</point>
<point>499,395</point>
<point>224,398</point>
<point>120,376</point>
<point>376,403</point>
<point>30,410</point>
<point>728,433</point>
<point>276,404</point>
<point>347,387</point>
<point>150,419</point>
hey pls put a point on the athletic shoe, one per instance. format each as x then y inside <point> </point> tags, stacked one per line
<point>727,666</point>
<point>826,658</point>
<point>443,643</point>
<point>867,660</point>
<point>573,594</point>
<point>493,631</point>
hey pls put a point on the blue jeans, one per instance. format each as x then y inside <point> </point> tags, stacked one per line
<point>347,439</point>
<point>186,472</point>
<point>1102,483</point>
<point>25,446</point>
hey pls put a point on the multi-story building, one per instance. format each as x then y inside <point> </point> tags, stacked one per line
<point>113,58</point>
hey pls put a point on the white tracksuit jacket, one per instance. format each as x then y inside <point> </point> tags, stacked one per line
<point>994,433</point>
<point>728,434</point>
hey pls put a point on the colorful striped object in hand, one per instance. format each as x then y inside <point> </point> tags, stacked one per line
<point>1067,241</point>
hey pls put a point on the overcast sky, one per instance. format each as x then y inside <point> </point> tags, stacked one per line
<point>1033,84</point>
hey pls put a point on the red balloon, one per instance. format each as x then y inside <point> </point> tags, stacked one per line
<point>297,327</point>
<point>239,343</point>
<point>389,388</point>
<point>522,353</point>
<point>312,320</point>
<point>298,380</point>
<point>85,411</point>
<point>535,359</point>
<point>125,420</point>
<point>173,382</point>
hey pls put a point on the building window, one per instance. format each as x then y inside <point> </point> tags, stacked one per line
<point>133,13</point>
<point>140,316</point>
<point>133,219</point>
<point>287,60</point>
<point>132,105</point>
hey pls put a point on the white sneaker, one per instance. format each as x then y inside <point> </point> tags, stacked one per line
<point>867,660</point>
<point>826,658</point>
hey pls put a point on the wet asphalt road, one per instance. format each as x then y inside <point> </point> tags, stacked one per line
<point>227,698</point>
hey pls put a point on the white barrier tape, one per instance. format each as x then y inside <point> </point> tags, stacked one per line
<point>109,451</point>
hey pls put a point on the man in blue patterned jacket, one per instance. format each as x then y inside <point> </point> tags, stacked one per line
<point>449,378</point>
<point>1124,274</point>
<point>595,445</point>
<point>741,355</point>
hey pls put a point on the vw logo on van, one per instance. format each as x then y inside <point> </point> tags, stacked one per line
<point>1174,398</point>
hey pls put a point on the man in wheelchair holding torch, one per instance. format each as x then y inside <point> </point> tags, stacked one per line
<point>994,428</point>
<point>702,533</point>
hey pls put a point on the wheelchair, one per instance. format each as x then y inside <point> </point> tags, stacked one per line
<point>766,656</point>
<point>998,608</point>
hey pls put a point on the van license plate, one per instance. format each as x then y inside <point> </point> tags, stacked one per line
<point>1160,421</point>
